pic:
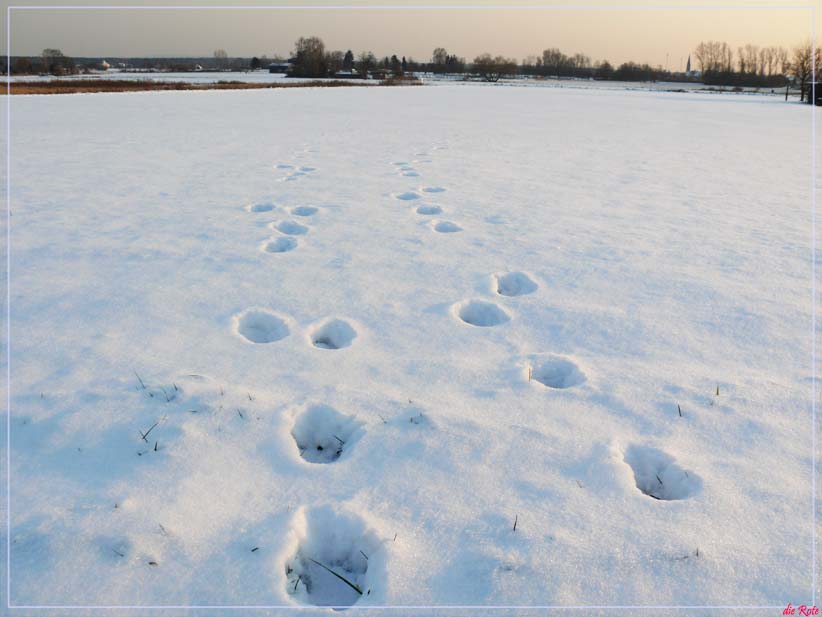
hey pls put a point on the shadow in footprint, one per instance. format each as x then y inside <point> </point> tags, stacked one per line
<point>304,211</point>
<point>657,475</point>
<point>260,326</point>
<point>407,196</point>
<point>333,334</point>
<point>291,228</point>
<point>322,434</point>
<point>447,227</point>
<point>261,207</point>
<point>481,314</point>
<point>515,284</point>
<point>558,373</point>
<point>279,245</point>
<point>337,558</point>
<point>429,210</point>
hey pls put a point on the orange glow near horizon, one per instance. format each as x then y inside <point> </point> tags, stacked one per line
<point>655,36</point>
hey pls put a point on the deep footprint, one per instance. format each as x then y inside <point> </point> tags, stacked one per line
<point>515,284</point>
<point>429,210</point>
<point>447,227</point>
<point>481,314</point>
<point>260,326</point>
<point>291,228</point>
<point>304,211</point>
<point>558,373</point>
<point>330,566</point>
<point>432,189</point>
<point>333,334</point>
<point>322,434</point>
<point>657,475</point>
<point>407,196</point>
<point>262,207</point>
<point>280,245</point>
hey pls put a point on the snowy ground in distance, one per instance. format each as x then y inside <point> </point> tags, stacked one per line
<point>206,77</point>
<point>256,334</point>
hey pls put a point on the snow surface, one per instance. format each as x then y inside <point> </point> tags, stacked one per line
<point>178,356</point>
<point>263,76</point>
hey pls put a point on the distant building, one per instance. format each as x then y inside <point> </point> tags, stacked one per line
<point>105,65</point>
<point>815,93</point>
<point>279,67</point>
<point>688,66</point>
<point>345,74</point>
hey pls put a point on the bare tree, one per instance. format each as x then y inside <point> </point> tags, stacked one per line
<point>221,57</point>
<point>581,61</point>
<point>439,60</point>
<point>56,63</point>
<point>801,66</point>
<point>748,59</point>
<point>309,58</point>
<point>714,56</point>
<point>493,68</point>
<point>766,61</point>
<point>334,61</point>
<point>701,53</point>
<point>366,62</point>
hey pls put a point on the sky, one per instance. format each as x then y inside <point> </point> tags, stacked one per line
<point>646,32</point>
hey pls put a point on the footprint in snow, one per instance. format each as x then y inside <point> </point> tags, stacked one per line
<point>333,334</point>
<point>429,210</point>
<point>446,227</point>
<point>279,245</point>
<point>407,196</point>
<point>481,313</point>
<point>514,284</point>
<point>304,211</point>
<point>331,564</point>
<point>260,326</point>
<point>657,475</point>
<point>322,434</point>
<point>556,372</point>
<point>260,207</point>
<point>291,228</point>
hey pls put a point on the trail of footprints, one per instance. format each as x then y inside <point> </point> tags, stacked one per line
<point>287,230</point>
<point>330,563</point>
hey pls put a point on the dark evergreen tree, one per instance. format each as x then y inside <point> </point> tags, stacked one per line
<point>348,61</point>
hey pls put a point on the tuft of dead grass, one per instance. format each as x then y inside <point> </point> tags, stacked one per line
<point>401,80</point>
<point>80,86</point>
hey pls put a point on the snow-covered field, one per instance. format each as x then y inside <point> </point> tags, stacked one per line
<point>256,77</point>
<point>261,335</point>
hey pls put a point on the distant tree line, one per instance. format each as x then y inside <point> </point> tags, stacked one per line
<point>310,59</point>
<point>718,64</point>
<point>51,61</point>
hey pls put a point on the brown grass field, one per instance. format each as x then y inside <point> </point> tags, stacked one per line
<point>77,86</point>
